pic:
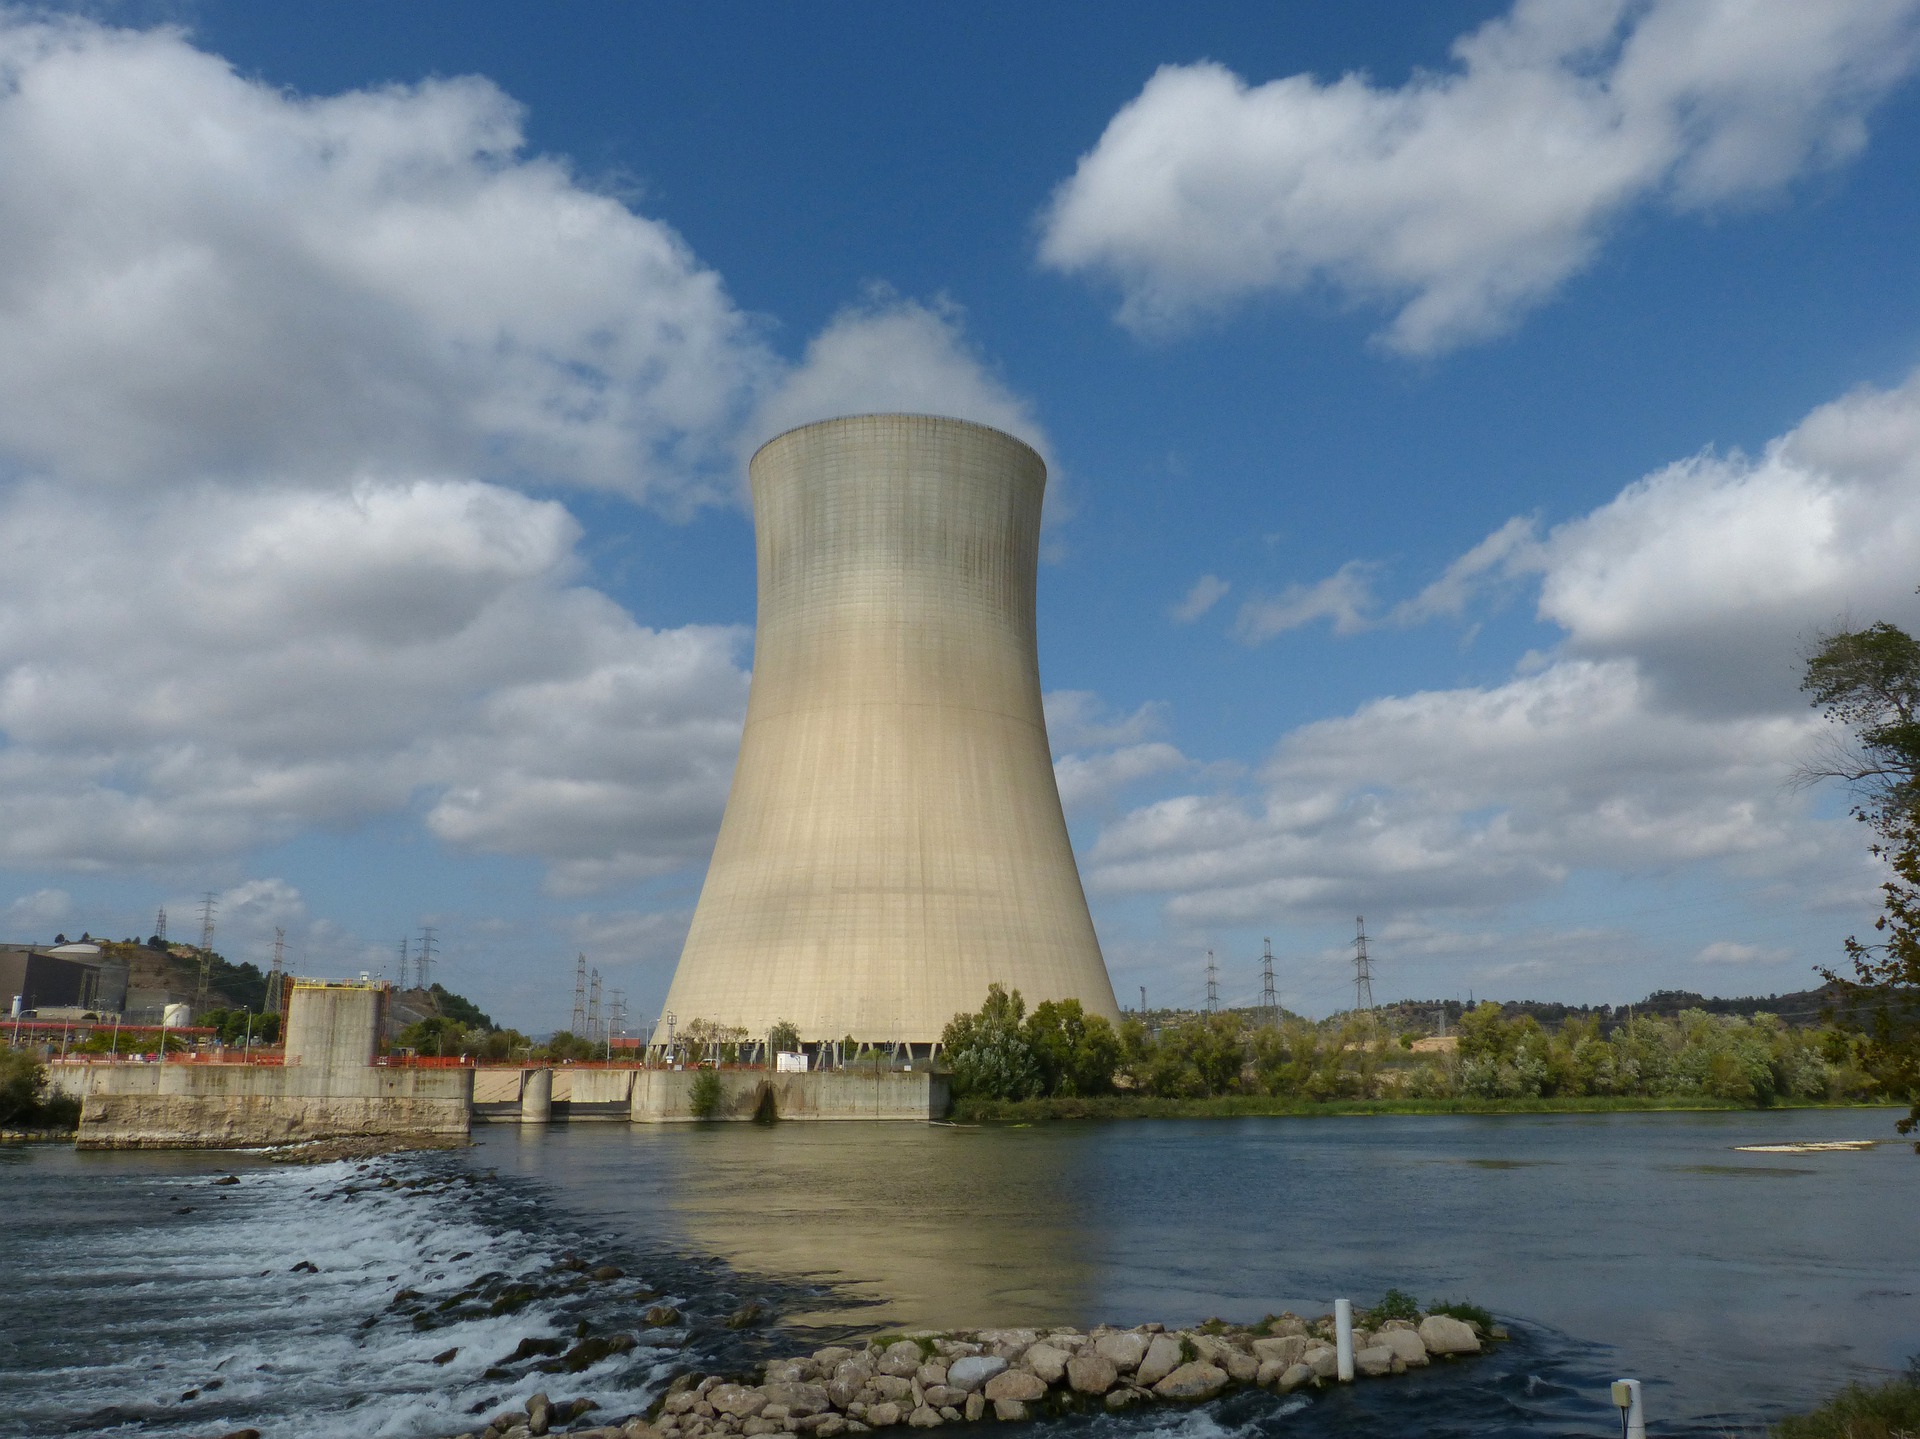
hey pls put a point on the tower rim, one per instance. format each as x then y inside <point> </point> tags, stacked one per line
<point>773,440</point>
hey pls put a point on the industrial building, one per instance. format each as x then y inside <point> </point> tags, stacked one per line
<point>894,841</point>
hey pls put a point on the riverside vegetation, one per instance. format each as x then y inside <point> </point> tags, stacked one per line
<point>1059,1061</point>
<point>931,1378</point>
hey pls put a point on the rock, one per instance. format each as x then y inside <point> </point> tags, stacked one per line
<point>238,1433</point>
<point>660,1316</point>
<point>1123,1350</point>
<point>1324,1360</point>
<point>1009,1411</point>
<point>1296,1375</point>
<point>971,1371</point>
<point>608,1271</point>
<point>831,1357</point>
<point>955,1348</point>
<point>1016,1384</point>
<point>748,1316</point>
<point>1241,1368</point>
<point>1270,1371</point>
<point>828,1426</point>
<point>949,1413</point>
<point>758,1425</point>
<point>1405,1344</point>
<point>446,1356</point>
<point>975,1408</point>
<point>943,1396</point>
<point>1118,1399</point>
<point>882,1416</point>
<point>1443,1334</point>
<point>680,1403</point>
<point>1192,1381</point>
<point>1162,1358</point>
<point>1285,1351</point>
<point>930,1374</point>
<point>1210,1349</point>
<point>1046,1361</point>
<point>798,1399</point>
<point>1374,1360</point>
<point>901,1358</point>
<point>925,1417</point>
<point>1091,1373</point>
<point>1283,1326</point>
<point>890,1386</point>
<point>224,1180</point>
<point>738,1400</point>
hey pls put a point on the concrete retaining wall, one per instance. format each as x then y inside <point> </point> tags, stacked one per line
<point>226,1106</point>
<point>663,1096</point>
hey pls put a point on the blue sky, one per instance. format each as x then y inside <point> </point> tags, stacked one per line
<point>1461,417</point>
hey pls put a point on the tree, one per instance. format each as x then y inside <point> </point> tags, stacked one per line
<point>1077,1052</point>
<point>784,1037</point>
<point>988,1052</point>
<point>1868,682</point>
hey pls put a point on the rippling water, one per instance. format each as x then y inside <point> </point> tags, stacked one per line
<point>142,1298</point>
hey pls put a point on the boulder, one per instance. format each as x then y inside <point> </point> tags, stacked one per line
<point>1443,1334</point>
<point>799,1399</point>
<point>925,1417</point>
<point>1323,1360</point>
<point>1047,1361</point>
<point>942,1396</point>
<point>1296,1375</point>
<point>1241,1368</point>
<point>1091,1373</point>
<point>831,1357</point>
<point>1285,1350</point>
<point>1123,1350</point>
<point>930,1374</point>
<point>882,1416</point>
<point>828,1425</point>
<point>1374,1360</point>
<point>1016,1384</point>
<point>1211,1349</point>
<point>1283,1326</point>
<point>738,1400</point>
<point>971,1371</point>
<point>757,1425</point>
<point>950,1414</point>
<point>1009,1411</point>
<point>1161,1359</point>
<point>901,1358</point>
<point>890,1386</point>
<point>790,1371</point>
<point>975,1408</point>
<point>1405,1344</point>
<point>1192,1381</point>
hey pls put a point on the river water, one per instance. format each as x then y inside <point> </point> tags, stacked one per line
<point>137,1296</point>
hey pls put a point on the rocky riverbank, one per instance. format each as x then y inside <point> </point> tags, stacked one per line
<point>927,1379</point>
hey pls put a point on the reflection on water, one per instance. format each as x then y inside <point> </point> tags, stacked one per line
<point>1613,1240</point>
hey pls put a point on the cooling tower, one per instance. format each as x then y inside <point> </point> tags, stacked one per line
<point>893,842</point>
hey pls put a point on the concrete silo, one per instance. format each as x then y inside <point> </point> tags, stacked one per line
<point>893,842</point>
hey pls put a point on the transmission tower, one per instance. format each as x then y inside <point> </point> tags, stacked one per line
<point>207,908</point>
<point>580,998</point>
<point>425,958</point>
<point>1362,967</point>
<point>617,1015</point>
<point>402,971</point>
<point>160,927</point>
<point>593,1007</point>
<point>277,976</point>
<point>1213,984</point>
<point>1269,1001</point>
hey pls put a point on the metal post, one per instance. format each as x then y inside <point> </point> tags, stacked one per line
<point>1343,1338</point>
<point>1626,1398</point>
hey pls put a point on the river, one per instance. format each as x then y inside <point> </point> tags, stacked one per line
<point>142,1298</point>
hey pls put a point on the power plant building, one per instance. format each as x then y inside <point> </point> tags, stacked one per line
<point>893,842</point>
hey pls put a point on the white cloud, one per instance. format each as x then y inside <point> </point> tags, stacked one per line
<point>1080,719</point>
<point>1468,196</point>
<point>890,354</point>
<point>1345,597</point>
<point>1207,592</point>
<point>1726,951</point>
<point>1086,781</point>
<point>28,915</point>
<point>210,276</point>
<point>1659,735</point>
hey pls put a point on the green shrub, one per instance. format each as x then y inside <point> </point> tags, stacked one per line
<point>21,1078</point>
<point>704,1099</point>
<point>1862,1411</point>
<point>1393,1305</point>
<point>1460,1309</point>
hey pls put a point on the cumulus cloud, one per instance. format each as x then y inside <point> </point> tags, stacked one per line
<point>1080,719</point>
<point>1659,734</point>
<point>1726,951</point>
<point>1207,592</point>
<point>1467,196</point>
<point>30,914</point>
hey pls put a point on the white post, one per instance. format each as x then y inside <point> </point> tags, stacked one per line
<point>1343,1338</point>
<point>1626,1398</point>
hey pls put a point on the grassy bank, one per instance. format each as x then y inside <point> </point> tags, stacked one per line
<point>1232,1106</point>
<point>1862,1411</point>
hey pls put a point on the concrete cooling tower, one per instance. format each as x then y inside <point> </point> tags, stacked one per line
<point>893,842</point>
